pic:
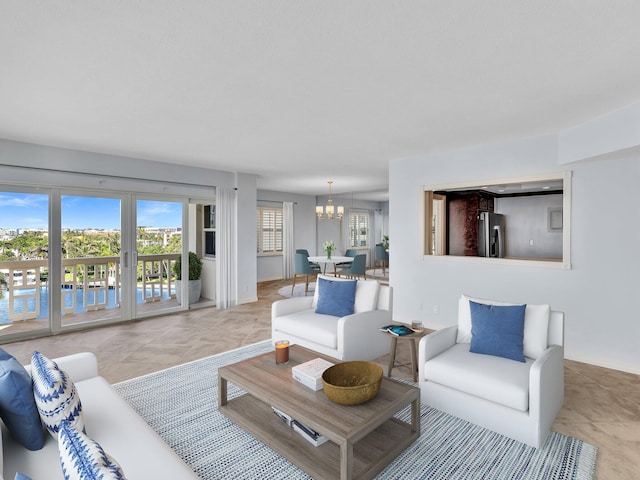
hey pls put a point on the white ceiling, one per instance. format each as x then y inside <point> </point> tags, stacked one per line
<point>300,92</point>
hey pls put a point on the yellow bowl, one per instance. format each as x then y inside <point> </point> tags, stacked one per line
<point>352,383</point>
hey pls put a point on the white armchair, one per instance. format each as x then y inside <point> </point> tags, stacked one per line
<point>352,337</point>
<point>516,399</point>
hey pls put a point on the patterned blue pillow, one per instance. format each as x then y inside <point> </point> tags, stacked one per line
<point>55,394</point>
<point>17,407</point>
<point>82,458</point>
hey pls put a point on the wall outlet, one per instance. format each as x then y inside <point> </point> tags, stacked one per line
<point>436,309</point>
<point>531,243</point>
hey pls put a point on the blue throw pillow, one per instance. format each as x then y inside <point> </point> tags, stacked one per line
<point>82,458</point>
<point>17,406</point>
<point>497,330</point>
<point>21,476</point>
<point>336,298</point>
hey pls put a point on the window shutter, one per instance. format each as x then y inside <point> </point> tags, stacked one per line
<point>270,230</point>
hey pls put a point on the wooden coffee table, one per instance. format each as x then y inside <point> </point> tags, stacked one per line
<point>363,438</point>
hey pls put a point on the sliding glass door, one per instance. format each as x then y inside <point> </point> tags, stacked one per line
<point>158,246</point>
<point>69,258</point>
<point>91,237</point>
<point>114,272</point>
<point>24,262</point>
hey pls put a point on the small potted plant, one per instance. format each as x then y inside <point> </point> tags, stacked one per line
<point>195,284</point>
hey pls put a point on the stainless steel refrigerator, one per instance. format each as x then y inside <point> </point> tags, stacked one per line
<point>491,234</point>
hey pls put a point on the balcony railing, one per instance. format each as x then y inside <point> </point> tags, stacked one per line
<point>88,284</point>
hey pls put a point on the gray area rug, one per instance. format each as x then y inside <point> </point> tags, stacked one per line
<point>298,290</point>
<point>180,403</point>
<point>377,274</point>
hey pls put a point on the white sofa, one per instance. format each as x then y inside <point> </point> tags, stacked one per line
<point>110,421</point>
<point>518,400</point>
<point>352,337</point>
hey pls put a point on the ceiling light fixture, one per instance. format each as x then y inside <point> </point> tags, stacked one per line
<point>328,212</point>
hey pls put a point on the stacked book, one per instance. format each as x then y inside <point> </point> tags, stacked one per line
<point>312,436</point>
<point>308,374</point>
<point>307,433</point>
<point>397,330</point>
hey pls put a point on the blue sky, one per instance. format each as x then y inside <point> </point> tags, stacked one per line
<point>19,210</point>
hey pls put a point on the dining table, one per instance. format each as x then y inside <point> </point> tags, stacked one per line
<point>323,261</point>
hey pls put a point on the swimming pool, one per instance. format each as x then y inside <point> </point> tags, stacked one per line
<point>68,301</point>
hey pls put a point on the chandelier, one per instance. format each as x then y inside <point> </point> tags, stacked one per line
<point>328,212</point>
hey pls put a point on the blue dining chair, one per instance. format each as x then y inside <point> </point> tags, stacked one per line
<point>303,267</point>
<point>351,252</point>
<point>382,258</point>
<point>357,269</point>
<point>306,252</point>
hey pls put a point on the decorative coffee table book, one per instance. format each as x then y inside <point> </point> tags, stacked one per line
<point>397,330</point>
<point>310,373</point>
<point>353,432</point>
<point>285,418</point>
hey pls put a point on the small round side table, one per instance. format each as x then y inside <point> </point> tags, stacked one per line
<point>412,338</point>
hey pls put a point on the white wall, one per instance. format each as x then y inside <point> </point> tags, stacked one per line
<point>527,234</point>
<point>247,238</point>
<point>384,206</point>
<point>598,294</point>
<point>304,235</point>
<point>50,164</point>
<point>331,230</point>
